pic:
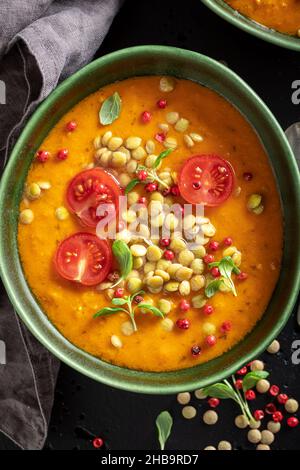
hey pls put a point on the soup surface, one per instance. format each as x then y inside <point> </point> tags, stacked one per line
<point>195,314</point>
<point>281,15</point>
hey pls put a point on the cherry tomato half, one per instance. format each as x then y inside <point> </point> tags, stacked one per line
<point>88,190</point>
<point>83,258</point>
<point>206,179</point>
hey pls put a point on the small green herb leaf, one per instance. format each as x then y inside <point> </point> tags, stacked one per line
<point>220,390</point>
<point>160,157</point>
<point>124,258</point>
<point>116,301</point>
<point>131,185</point>
<point>108,311</point>
<point>213,287</point>
<point>110,109</point>
<point>164,423</point>
<point>152,309</point>
<point>251,379</point>
<point>227,267</point>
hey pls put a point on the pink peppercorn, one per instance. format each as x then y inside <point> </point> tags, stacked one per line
<point>160,137</point>
<point>282,398</point>
<point>226,326</point>
<point>227,241</point>
<point>98,442</point>
<point>214,402</point>
<point>274,390</point>
<point>239,384</point>
<point>213,246</point>
<point>250,395</point>
<point>165,242</point>
<point>71,126</point>
<point>62,154</point>
<point>208,309</point>
<point>42,156</point>
<point>161,104</point>
<point>183,324</point>
<point>277,416</point>
<point>258,415</point>
<point>184,305</point>
<point>146,117</point>
<point>175,190</point>
<point>151,187</point>
<point>169,255</point>
<point>293,422</point>
<point>211,340</point>
<point>270,408</point>
<point>119,293</point>
<point>208,259</point>
<point>242,371</point>
<point>215,272</point>
<point>142,200</point>
<point>138,299</point>
<point>142,175</point>
<point>242,276</point>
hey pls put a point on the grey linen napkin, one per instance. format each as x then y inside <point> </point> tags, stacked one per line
<point>41,43</point>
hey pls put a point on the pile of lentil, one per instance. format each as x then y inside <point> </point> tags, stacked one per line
<point>165,264</point>
<point>279,408</point>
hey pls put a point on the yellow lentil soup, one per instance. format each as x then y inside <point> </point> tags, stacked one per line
<point>281,15</point>
<point>200,299</point>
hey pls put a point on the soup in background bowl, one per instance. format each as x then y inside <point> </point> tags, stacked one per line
<point>162,356</point>
<point>276,21</point>
<point>280,15</point>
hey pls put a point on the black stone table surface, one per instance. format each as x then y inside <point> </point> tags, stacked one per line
<point>84,408</point>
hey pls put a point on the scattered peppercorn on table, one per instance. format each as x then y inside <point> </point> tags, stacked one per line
<point>144,302</point>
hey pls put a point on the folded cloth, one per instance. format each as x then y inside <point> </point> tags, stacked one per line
<point>41,42</point>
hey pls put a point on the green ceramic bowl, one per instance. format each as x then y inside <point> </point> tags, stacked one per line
<point>229,14</point>
<point>117,66</point>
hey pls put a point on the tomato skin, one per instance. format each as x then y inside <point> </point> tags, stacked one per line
<point>206,179</point>
<point>83,258</point>
<point>88,190</point>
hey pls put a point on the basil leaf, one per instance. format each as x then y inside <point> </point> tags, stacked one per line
<point>110,109</point>
<point>164,423</point>
<point>124,258</point>
<point>227,266</point>
<point>213,287</point>
<point>220,390</point>
<point>108,311</point>
<point>161,156</point>
<point>131,185</point>
<point>116,301</point>
<point>152,309</point>
<point>251,379</point>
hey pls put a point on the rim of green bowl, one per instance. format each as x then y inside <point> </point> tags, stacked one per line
<point>252,27</point>
<point>49,336</point>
